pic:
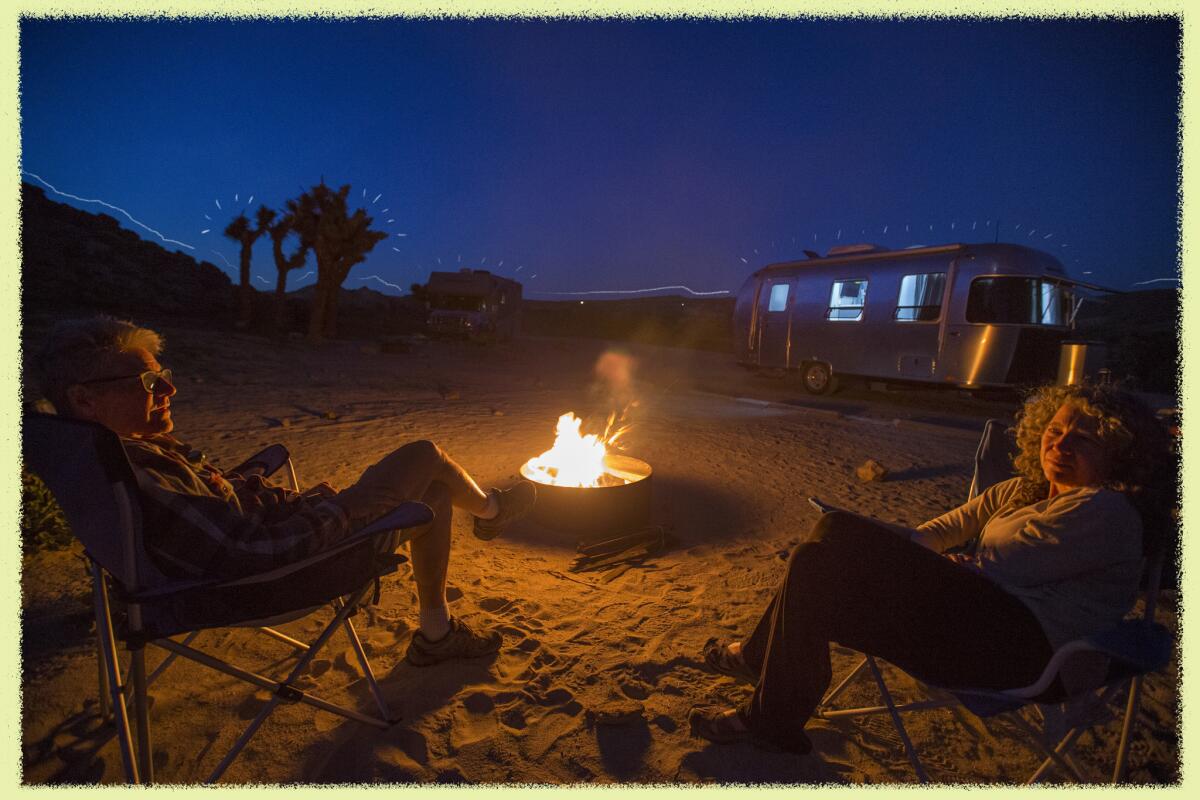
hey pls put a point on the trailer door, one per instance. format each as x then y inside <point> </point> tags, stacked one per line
<point>774,321</point>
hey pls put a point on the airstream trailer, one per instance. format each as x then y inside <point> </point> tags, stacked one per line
<point>965,315</point>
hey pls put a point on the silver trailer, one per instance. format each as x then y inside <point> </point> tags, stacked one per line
<point>966,315</point>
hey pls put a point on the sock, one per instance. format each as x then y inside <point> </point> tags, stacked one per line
<point>435,622</point>
<point>492,508</point>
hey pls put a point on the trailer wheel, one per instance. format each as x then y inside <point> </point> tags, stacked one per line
<point>817,378</point>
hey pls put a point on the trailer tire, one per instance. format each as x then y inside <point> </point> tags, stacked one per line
<point>817,377</point>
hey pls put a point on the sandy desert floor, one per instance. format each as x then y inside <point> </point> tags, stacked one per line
<point>731,478</point>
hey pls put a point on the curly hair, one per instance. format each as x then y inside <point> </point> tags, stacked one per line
<point>1134,437</point>
<point>75,348</point>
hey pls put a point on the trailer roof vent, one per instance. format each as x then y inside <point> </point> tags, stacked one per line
<point>849,249</point>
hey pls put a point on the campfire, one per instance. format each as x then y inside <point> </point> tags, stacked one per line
<point>578,459</point>
<point>583,486</point>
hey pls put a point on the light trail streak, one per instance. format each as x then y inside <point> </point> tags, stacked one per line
<point>1032,231</point>
<point>250,202</point>
<point>305,275</point>
<point>402,235</point>
<point>1153,280</point>
<point>390,221</point>
<point>744,261</point>
<point>261,278</point>
<point>397,249</point>
<point>1047,236</point>
<point>636,291</point>
<point>108,205</point>
<point>385,283</point>
<point>518,269</point>
<point>885,227</point>
<point>207,217</point>
<point>206,230</point>
<point>223,258</point>
<point>235,197</point>
<point>218,202</point>
<point>376,200</point>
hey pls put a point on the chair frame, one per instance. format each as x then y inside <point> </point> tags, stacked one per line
<point>117,690</point>
<point>1017,699</point>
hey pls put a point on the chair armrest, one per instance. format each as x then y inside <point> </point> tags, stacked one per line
<point>402,517</point>
<point>266,462</point>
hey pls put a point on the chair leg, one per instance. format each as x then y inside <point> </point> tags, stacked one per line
<point>1058,755</point>
<point>887,699</point>
<point>841,687</point>
<point>141,706</point>
<point>284,690</point>
<point>368,673</point>
<point>1131,712</point>
<point>108,649</point>
<point>102,680</point>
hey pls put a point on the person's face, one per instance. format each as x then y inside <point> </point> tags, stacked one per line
<point>1073,453</point>
<point>122,404</point>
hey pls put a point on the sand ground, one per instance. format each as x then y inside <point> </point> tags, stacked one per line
<point>730,484</point>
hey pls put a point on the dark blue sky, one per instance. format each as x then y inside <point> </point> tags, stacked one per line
<point>610,154</point>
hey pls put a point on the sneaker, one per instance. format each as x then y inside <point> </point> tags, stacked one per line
<point>459,642</point>
<point>515,503</point>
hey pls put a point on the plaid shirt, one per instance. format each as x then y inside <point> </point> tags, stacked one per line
<point>200,522</point>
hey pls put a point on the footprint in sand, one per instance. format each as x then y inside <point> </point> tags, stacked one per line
<point>494,603</point>
<point>528,645</point>
<point>453,593</point>
<point>513,718</point>
<point>478,703</point>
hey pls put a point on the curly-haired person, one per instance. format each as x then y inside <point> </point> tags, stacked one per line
<point>1057,557</point>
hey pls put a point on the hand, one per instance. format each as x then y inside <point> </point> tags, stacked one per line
<point>324,489</point>
<point>964,560</point>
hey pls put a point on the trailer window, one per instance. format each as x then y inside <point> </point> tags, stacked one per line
<point>779,296</point>
<point>1018,301</point>
<point>846,301</point>
<point>920,297</point>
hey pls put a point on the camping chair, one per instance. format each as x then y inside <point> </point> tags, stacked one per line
<point>1133,648</point>
<point>85,467</point>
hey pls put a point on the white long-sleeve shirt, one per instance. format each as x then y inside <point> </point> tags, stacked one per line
<point>1072,559</point>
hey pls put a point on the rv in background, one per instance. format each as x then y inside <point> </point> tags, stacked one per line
<point>966,315</point>
<point>475,304</point>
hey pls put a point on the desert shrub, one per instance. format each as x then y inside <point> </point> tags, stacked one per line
<point>43,525</point>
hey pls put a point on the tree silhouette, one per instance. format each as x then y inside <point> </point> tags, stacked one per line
<point>279,231</point>
<point>240,231</point>
<point>340,241</point>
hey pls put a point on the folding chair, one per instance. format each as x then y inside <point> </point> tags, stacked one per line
<point>85,467</point>
<point>1134,648</point>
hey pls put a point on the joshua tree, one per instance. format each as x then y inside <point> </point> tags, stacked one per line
<point>340,241</point>
<point>278,232</point>
<point>240,231</point>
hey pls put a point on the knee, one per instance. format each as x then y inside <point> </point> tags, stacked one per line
<point>437,497</point>
<point>424,450</point>
<point>830,526</point>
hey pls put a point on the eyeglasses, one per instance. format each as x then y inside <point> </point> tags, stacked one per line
<point>150,379</point>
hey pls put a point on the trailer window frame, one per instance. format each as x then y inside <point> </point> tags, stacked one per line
<point>1059,285</point>
<point>772,306</point>
<point>835,293</point>
<point>921,307</point>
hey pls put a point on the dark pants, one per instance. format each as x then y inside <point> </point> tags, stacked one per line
<point>863,586</point>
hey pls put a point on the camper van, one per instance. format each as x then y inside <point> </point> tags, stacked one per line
<point>967,315</point>
<point>474,304</point>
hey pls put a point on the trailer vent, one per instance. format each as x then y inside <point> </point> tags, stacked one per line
<point>848,249</point>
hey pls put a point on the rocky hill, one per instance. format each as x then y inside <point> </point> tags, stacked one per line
<point>72,260</point>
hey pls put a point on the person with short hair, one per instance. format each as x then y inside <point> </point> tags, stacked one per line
<point>201,522</point>
<point>1057,557</point>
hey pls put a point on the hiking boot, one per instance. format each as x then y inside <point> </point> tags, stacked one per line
<point>459,642</point>
<point>514,503</point>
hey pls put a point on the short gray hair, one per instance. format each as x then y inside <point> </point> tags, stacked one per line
<point>75,348</point>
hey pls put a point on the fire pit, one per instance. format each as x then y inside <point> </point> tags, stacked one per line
<point>620,503</point>
<point>583,488</point>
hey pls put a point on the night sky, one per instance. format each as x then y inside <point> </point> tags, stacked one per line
<point>621,155</point>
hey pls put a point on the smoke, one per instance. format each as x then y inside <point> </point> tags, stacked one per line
<point>614,395</point>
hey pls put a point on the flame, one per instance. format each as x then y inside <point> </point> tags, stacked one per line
<point>577,459</point>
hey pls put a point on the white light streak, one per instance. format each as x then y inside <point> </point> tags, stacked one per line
<point>1064,245</point>
<point>206,230</point>
<point>305,275</point>
<point>1047,236</point>
<point>973,224</point>
<point>264,280</point>
<point>501,264</point>
<point>250,202</point>
<point>534,275</point>
<point>385,283</point>
<point>207,217</point>
<point>1032,231</point>
<point>109,205</point>
<point>384,211</point>
<point>839,234</point>
<point>1017,227</point>
<point>952,226</point>
<point>235,197</point>
<point>636,291</point>
<point>885,227</point>
<point>518,269</point>
<point>218,202</point>
<point>744,261</point>
<point>390,221</point>
<point>1087,272</point>
<point>223,258</point>
<point>397,249</point>
<point>402,235</point>
<point>376,200</point>
<point>1153,280</point>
